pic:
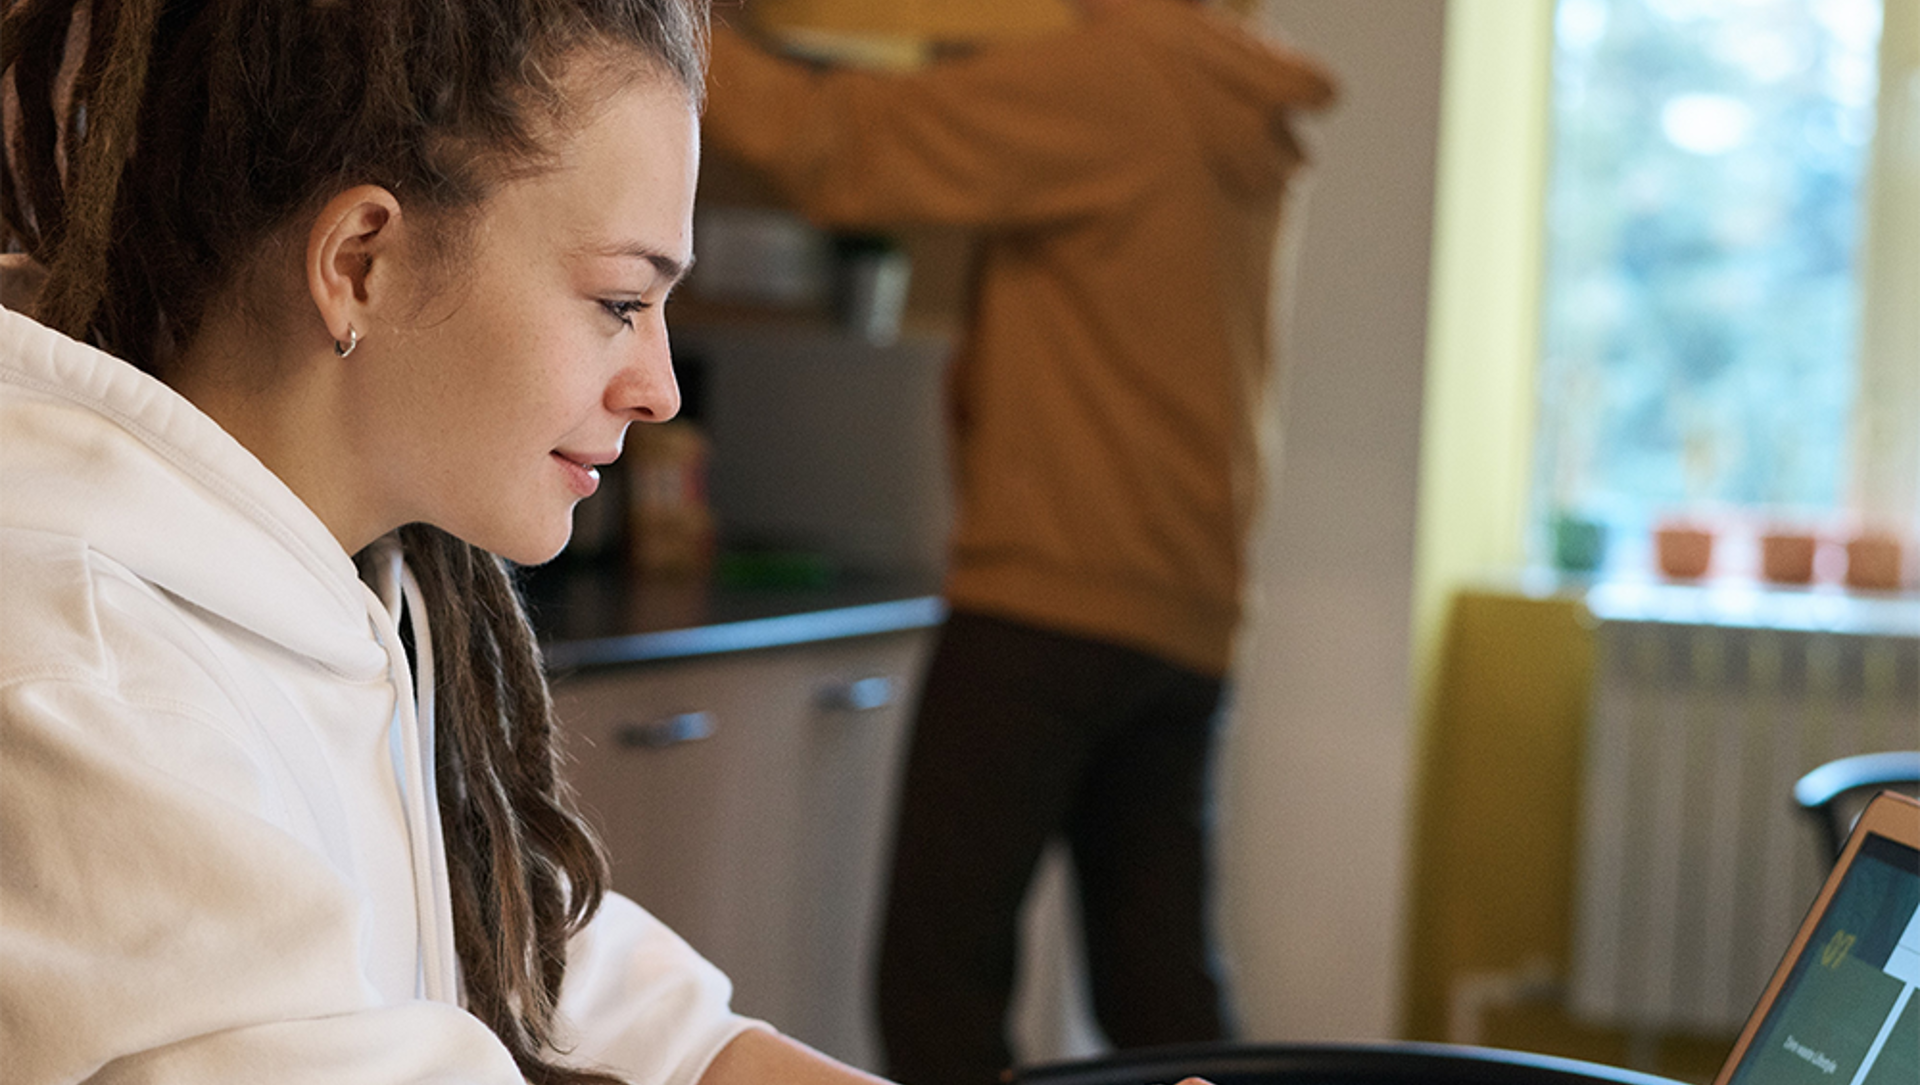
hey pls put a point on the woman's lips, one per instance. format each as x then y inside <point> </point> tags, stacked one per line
<point>582,477</point>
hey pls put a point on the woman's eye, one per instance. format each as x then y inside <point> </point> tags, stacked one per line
<point>623,310</point>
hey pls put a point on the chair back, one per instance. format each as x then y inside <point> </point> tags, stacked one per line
<point>1834,794</point>
<point>1328,1064</point>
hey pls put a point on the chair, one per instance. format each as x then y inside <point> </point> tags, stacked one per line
<point>1835,793</point>
<point>1385,1063</point>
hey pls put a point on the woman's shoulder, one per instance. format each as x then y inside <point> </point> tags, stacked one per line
<point>103,672</point>
<point>77,617</point>
<point>52,629</point>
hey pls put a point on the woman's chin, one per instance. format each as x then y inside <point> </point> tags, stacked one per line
<point>538,556</point>
<point>532,551</point>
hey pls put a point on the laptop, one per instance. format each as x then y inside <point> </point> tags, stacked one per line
<point>1843,1008</point>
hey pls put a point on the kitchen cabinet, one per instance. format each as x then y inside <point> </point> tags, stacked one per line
<point>746,799</point>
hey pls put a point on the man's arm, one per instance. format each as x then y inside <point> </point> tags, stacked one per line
<point>1028,133</point>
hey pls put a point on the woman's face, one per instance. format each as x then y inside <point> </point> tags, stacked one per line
<point>517,381</point>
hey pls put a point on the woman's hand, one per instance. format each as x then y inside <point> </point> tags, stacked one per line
<point>763,1057</point>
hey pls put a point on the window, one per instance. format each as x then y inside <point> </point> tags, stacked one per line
<point>1701,301</point>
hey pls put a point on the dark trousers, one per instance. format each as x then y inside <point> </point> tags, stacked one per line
<point>1024,734</point>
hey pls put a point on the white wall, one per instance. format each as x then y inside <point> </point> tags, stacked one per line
<point>1317,769</point>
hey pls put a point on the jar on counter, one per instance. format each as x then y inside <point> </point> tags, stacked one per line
<point>670,522</point>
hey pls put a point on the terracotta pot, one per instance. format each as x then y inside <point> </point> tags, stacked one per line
<point>1786,557</point>
<point>1684,551</point>
<point>1873,562</point>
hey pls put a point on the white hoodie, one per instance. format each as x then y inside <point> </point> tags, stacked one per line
<point>220,857</point>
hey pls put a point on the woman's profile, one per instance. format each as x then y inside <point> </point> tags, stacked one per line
<point>329,306</point>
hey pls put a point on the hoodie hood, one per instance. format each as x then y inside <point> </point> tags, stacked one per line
<point>1241,92</point>
<point>97,451</point>
<point>173,497</point>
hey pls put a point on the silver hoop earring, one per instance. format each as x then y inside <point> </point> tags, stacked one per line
<point>340,349</point>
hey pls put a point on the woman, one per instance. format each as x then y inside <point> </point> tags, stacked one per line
<point>340,300</point>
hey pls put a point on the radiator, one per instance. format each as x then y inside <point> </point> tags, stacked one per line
<point>1695,867</point>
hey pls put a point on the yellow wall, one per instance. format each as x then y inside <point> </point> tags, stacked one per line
<point>1477,421</point>
<point>1483,323</point>
<point>1886,442</point>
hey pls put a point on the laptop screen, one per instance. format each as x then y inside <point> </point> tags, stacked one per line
<point>1847,1014</point>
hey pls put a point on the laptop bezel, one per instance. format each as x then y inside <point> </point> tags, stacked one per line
<point>1889,814</point>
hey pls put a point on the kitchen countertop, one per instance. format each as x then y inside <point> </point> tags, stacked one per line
<point>600,616</point>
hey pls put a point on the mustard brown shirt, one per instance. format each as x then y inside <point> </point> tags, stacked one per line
<point>1126,178</point>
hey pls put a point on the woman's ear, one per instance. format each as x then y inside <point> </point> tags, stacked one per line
<point>356,229</point>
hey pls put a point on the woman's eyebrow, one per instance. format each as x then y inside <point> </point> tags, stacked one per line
<point>670,268</point>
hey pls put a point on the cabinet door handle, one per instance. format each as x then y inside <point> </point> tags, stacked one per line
<point>856,695</point>
<point>665,731</point>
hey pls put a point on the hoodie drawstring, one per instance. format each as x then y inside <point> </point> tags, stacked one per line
<point>400,599</point>
<point>439,959</point>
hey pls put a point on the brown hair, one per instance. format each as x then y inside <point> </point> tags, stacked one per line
<point>195,130</point>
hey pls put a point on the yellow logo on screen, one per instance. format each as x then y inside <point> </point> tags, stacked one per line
<point>1836,949</point>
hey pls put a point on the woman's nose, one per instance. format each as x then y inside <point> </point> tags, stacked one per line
<point>645,387</point>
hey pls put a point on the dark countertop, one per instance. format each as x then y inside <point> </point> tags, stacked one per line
<point>599,616</point>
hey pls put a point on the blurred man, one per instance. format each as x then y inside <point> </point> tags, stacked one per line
<point>1125,178</point>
